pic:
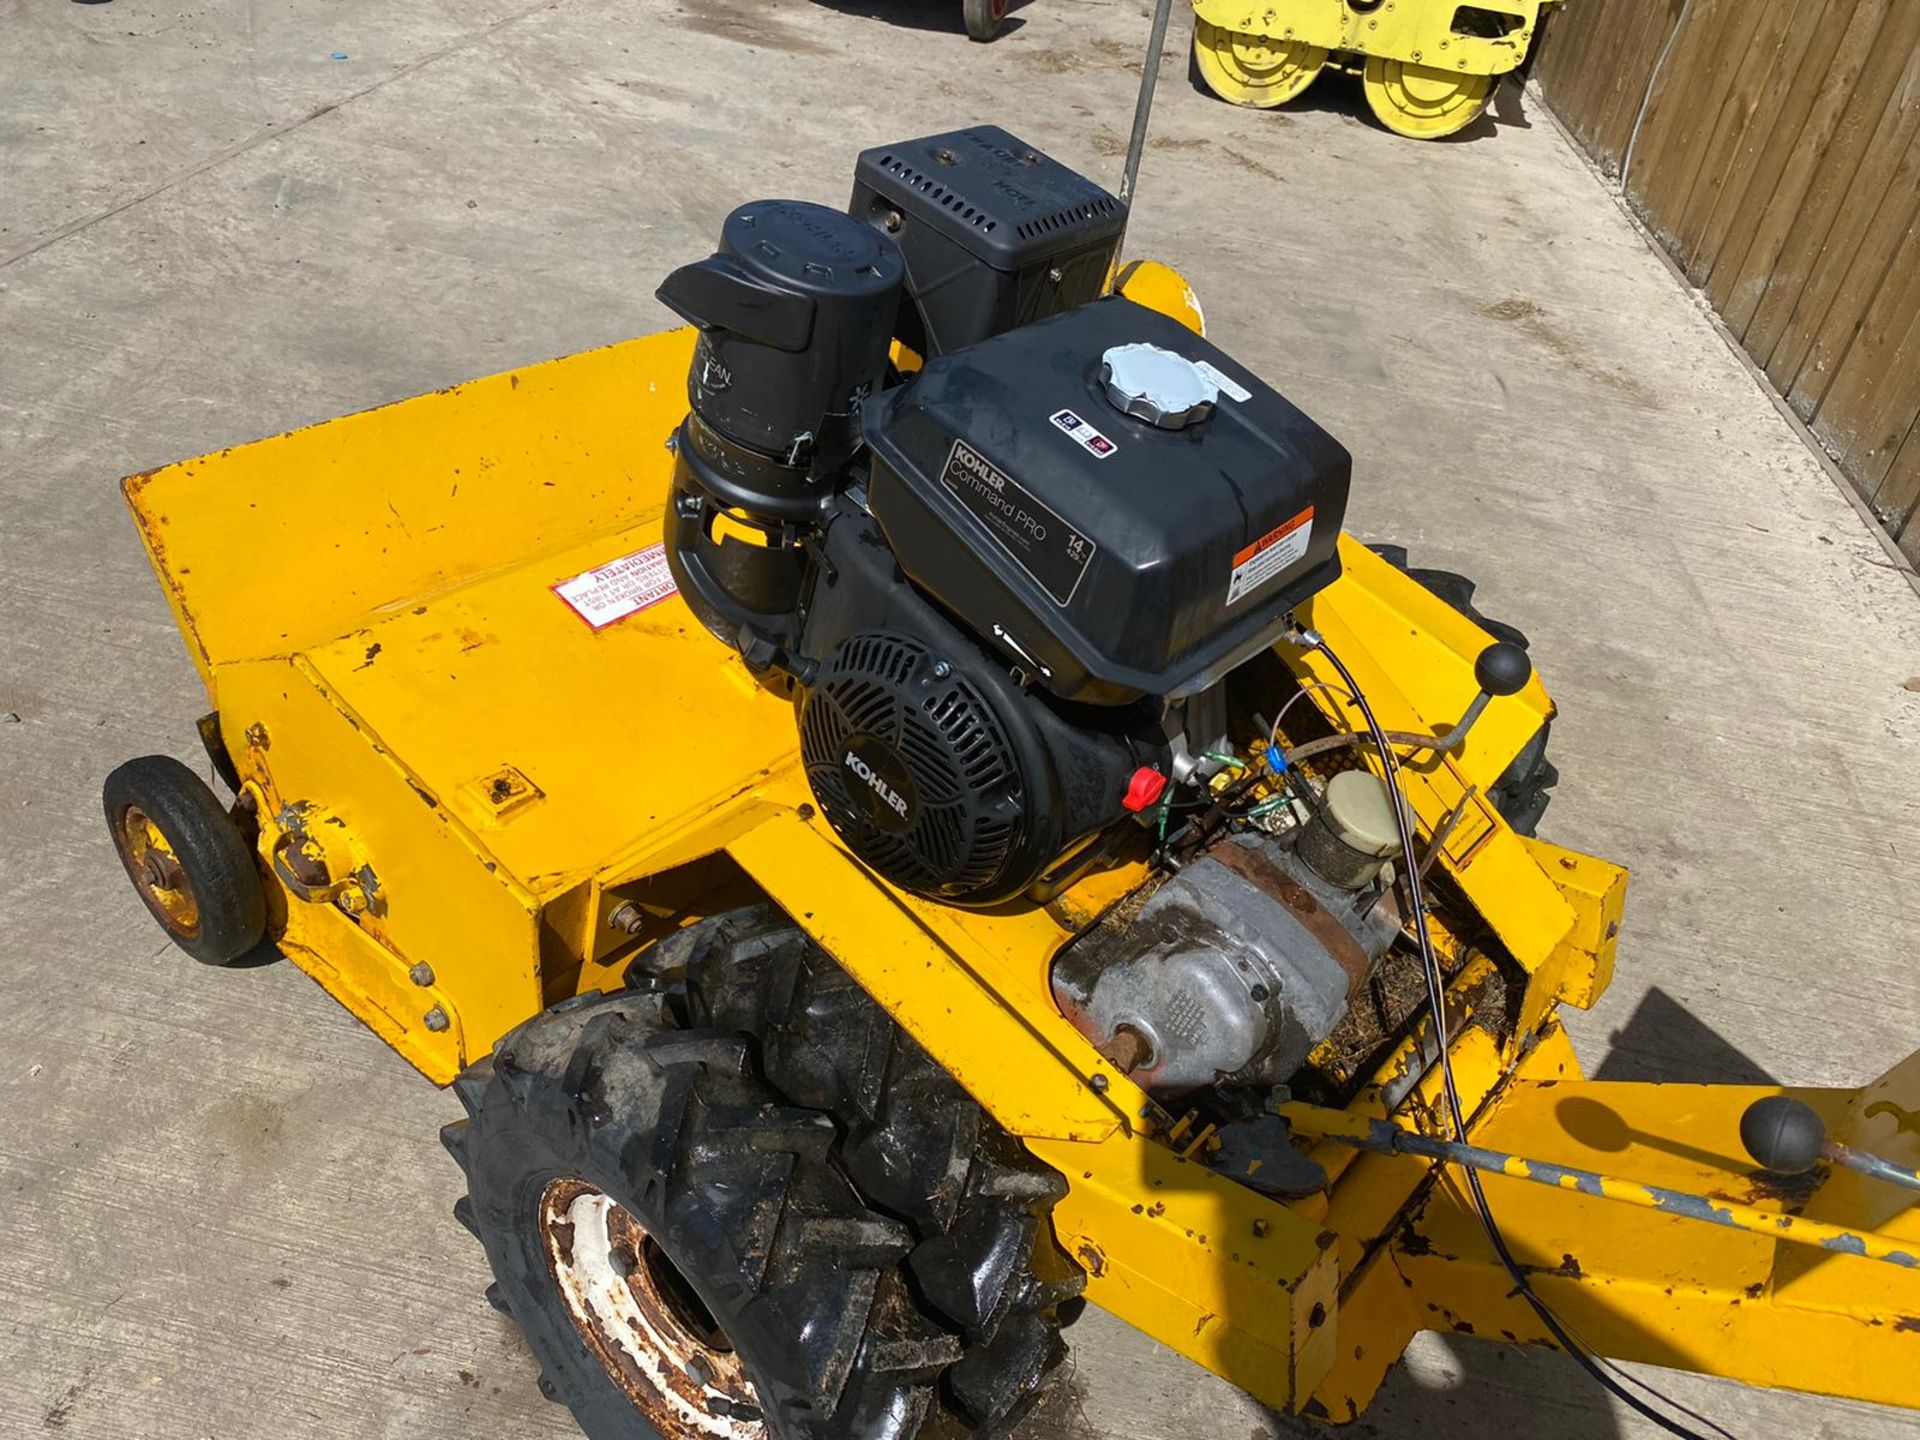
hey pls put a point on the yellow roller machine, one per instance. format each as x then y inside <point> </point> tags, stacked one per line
<point>1428,66</point>
<point>900,813</point>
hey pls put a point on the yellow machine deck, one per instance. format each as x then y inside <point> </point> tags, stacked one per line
<point>488,762</point>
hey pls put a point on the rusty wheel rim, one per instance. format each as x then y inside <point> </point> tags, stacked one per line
<point>157,872</point>
<point>638,1314</point>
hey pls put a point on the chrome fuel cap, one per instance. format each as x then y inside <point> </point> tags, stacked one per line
<point>1157,386</point>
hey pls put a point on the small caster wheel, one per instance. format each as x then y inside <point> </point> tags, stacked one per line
<point>187,858</point>
<point>984,17</point>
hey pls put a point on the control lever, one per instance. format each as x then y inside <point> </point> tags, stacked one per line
<point>1503,668</point>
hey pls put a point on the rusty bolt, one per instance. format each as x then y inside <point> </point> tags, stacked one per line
<point>804,812</point>
<point>1099,1083</point>
<point>1261,1227</point>
<point>421,974</point>
<point>437,1019</point>
<point>628,917</point>
<point>699,1371</point>
<point>1128,1049</point>
<point>258,738</point>
<point>894,222</point>
<point>501,790</point>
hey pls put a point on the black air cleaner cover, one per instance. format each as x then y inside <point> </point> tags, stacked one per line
<point>1105,556</point>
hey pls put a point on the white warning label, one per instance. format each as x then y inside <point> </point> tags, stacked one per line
<point>1269,555</point>
<point>619,588</point>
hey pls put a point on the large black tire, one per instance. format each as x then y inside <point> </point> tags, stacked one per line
<point>1521,793</point>
<point>851,1319</point>
<point>739,1194</point>
<point>189,862</point>
<point>914,1143</point>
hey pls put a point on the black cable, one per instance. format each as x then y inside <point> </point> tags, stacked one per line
<point>1436,990</point>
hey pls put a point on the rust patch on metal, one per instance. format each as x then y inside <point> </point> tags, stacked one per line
<point>1128,1050</point>
<point>1907,1323</point>
<point>1568,1269</point>
<point>1092,1259</point>
<point>1792,1191</point>
<point>1253,866</point>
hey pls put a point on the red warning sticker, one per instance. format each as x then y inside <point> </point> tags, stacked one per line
<point>619,588</point>
<point>1266,557</point>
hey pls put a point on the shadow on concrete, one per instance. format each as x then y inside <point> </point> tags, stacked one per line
<point>1663,1041</point>
<point>940,15</point>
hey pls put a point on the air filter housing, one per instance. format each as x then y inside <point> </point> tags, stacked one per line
<point>995,234</point>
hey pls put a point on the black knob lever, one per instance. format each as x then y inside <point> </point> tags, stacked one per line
<point>1501,669</point>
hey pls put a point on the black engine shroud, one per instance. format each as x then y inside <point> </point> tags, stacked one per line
<point>993,593</point>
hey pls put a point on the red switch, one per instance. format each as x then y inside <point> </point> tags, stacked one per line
<point>1144,789</point>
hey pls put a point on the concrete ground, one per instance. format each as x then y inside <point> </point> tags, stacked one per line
<point>223,1210</point>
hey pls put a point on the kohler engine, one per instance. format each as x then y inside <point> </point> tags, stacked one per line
<point>1006,590</point>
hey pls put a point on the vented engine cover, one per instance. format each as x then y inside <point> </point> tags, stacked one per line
<point>912,766</point>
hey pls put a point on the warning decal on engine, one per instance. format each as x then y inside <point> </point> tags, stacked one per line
<point>1269,555</point>
<point>1084,435</point>
<point>1040,542</point>
<point>619,588</point>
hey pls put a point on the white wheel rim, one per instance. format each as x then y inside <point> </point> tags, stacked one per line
<point>633,1311</point>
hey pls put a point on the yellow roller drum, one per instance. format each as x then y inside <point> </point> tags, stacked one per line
<point>1250,69</point>
<point>1422,102</point>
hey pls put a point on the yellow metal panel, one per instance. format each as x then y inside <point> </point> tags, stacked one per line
<point>270,547</point>
<point>473,925</point>
<point>1379,1311</point>
<point>1581,966</point>
<point>1883,1119</point>
<point>1006,1043</point>
<point>623,732</point>
<point>1419,31</point>
<point>1161,287</point>
<point>1212,1270</point>
<point>1666,1288</point>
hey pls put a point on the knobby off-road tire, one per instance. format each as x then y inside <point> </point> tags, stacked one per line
<point>1521,793</point>
<point>915,1145</point>
<point>794,1259</point>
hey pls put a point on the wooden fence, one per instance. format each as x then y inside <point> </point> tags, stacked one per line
<point>1776,154</point>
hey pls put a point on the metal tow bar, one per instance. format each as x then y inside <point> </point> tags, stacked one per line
<point>1793,1147</point>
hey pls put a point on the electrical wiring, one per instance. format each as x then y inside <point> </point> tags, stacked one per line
<point>1436,991</point>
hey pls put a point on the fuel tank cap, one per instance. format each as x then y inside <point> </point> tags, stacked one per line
<point>1158,386</point>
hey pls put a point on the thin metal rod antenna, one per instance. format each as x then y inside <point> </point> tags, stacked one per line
<point>1143,107</point>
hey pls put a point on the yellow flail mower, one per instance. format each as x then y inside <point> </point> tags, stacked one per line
<point>899,813</point>
<point>1428,66</point>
